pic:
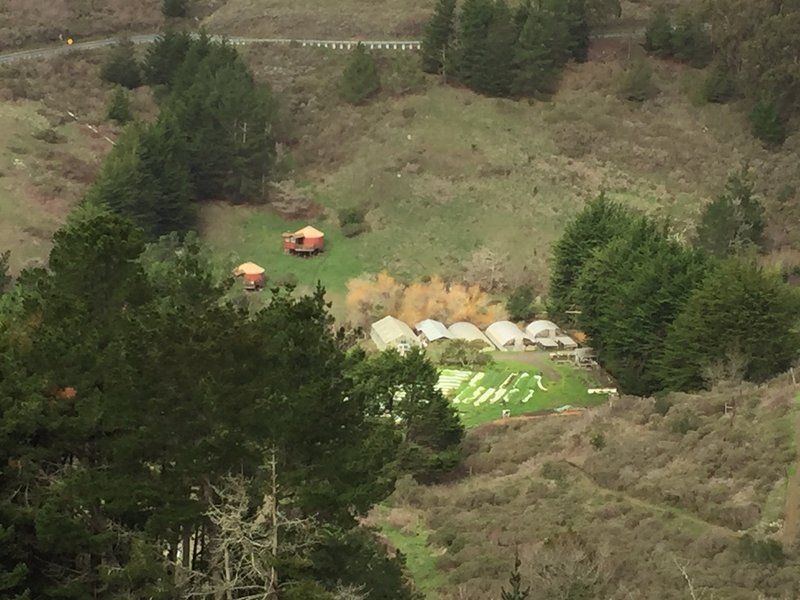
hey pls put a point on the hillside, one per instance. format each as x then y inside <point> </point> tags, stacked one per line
<point>616,502</point>
<point>491,176</point>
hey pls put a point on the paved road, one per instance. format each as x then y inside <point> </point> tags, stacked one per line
<point>333,44</point>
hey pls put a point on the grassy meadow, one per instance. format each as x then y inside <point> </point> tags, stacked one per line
<point>445,177</point>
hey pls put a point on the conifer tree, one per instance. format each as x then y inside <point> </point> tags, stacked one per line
<point>600,221</point>
<point>767,123</point>
<point>734,221</point>
<point>173,8</point>
<point>119,106</point>
<point>360,79</point>
<point>515,591</point>
<point>658,35</point>
<point>496,77</point>
<point>720,85</point>
<point>647,270</point>
<point>475,19</point>
<point>690,43</point>
<point>637,82</point>
<point>5,276</point>
<point>579,29</point>
<point>438,37</point>
<point>121,67</point>
<point>536,64</point>
<point>521,15</point>
<point>165,56</point>
<point>727,317</point>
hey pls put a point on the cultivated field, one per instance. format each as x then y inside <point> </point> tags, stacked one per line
<point>626,496</point>
<point>521,389</point>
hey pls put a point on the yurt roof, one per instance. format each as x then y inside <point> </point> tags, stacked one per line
<point>309,232</point>
<point>249,268</point>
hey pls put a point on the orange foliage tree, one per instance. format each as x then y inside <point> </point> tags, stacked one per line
<point>369,299</point>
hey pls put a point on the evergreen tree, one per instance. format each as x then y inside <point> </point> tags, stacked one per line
<point>146,178</point>
<point>473,31</point>
<point>643,269</point>
<point>404,387</point>
<point>579,29</point>
<point>5,276</point>
<point>360,79</point>
<point>165,56</point>
<point>720,85</point>
<point>438,37</point>
<point>596,225</point>
<point>659,34</point>
<point>734,221</point>
<point>726,317</point>
<point>173,8</point>
<point>690,42</point>
<point>767,123</point>
<point>637,83</point>
<point>521,15</point>
<point>227,120</point>
<point>536,62</point>
<point>520,303</point>
<point>495,77</point>
<point>515,591</point>
<point>119,106</point>
<point>121,67</point>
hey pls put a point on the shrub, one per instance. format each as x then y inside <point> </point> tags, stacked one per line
<point>360,79</point>
<point>719,86</point>
<point>767,123</point>
<point>463,353</point>
<point>49,135</point>
<point>662,405</point>
<point>683,424</point>
<point>598,441</point>
<point>351,215</point>
<point>352,230</point>
<point>637,84</point>
<point>761,551</point>
<point>554,471</point>
<point>174,8</point>
<point>119,106</point>
<point>121,67</point>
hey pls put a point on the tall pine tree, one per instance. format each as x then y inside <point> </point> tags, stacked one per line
<point>740,314</point>
<point>734,221</point>
<point>438,37</point>
<point>596,225</point>
<point>471,60</point>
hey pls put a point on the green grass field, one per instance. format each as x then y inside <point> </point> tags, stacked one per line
<point>412,540</point>
<point>240,233</point>
<point>482,397</point>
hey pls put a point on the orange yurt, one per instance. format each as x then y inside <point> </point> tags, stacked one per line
<point>252,274</point>
<point>308,240</point>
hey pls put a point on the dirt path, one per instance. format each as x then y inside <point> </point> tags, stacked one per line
<point>791,518</point>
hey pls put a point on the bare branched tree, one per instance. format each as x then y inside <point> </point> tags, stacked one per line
<point>247,541</point>
<point>694,593</point>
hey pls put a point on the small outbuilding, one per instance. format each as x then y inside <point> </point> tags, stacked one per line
<point>508,337</point>
<point>252,274</point>
<point>431,330</point>
<point>304,242</point>
<point>470,333</point>
<point>549,336</point>
<point>393,333</point>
